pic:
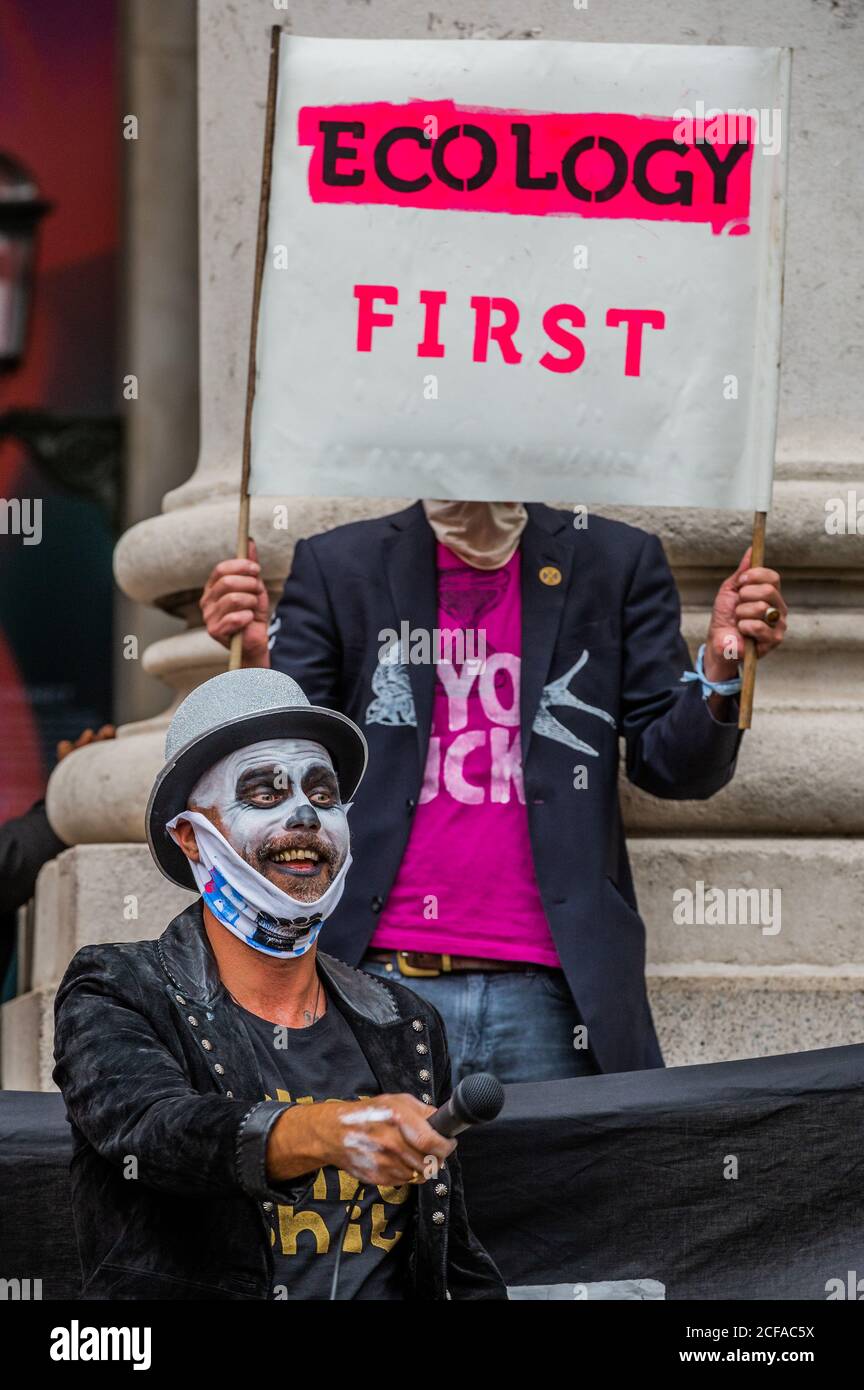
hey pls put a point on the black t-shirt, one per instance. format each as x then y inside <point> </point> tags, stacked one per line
<point>325,1062</point>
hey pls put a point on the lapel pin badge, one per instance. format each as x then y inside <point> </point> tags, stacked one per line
<point>550,574</point>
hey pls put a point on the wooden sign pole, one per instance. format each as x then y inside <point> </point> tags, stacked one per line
<point>748,680</point>
<point>236,656</point>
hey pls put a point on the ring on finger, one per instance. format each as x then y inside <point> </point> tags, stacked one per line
<point>772,615</point>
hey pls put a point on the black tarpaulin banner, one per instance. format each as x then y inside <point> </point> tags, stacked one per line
<point>723,1181</point>
<point>733,1180</point>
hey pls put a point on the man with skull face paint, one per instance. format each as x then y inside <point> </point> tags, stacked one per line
<point>274,1101</point>
<point>276,806</point>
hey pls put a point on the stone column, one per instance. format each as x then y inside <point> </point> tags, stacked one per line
<point>793,818</point>
<point>102,889</point>
<point>160,302</point>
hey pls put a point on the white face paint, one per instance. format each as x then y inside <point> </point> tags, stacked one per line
<point>277,804</point>
<point>372,1115</point>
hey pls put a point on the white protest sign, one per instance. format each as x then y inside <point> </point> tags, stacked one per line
<point>523,271</point>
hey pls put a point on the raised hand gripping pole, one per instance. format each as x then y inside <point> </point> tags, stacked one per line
<point>748,679</point>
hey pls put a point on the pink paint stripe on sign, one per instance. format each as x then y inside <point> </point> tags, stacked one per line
<point>439,155</point>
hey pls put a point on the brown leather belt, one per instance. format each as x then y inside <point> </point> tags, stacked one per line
<point>415,965</point>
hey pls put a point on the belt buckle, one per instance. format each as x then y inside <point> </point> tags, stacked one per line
<point>414,972</point>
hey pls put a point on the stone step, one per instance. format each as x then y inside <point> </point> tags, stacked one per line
<point>97,893</point>
<point>706,1013</point>
<point>821,886</point>
<point>798,774</point>
<point>115,893</point>
<point>27,1040</point>
<point>718,1013</point>
<point>719,991</point>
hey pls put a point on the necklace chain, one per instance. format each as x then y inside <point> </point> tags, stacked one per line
<point>313,1019</point>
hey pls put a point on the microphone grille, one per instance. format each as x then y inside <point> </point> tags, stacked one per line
<point>482,1096</point>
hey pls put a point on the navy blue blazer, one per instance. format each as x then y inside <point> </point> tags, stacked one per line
<point>602,658</point>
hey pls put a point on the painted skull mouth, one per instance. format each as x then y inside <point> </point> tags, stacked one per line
<point>307,858</point>
<point>283,935</point>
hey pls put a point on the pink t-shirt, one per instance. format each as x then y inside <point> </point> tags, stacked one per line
<point>466,884</point>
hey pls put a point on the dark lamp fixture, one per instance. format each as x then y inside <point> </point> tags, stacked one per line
<point>21,210</point>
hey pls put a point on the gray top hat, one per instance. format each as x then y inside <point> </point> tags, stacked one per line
<point>230,712</point>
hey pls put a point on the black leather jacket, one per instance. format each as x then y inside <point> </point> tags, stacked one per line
<point>163,1094</point>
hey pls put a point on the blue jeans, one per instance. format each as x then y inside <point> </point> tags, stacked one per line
<point>517,1024</point>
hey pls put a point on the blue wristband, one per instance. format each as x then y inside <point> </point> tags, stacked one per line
<point>711,687</point>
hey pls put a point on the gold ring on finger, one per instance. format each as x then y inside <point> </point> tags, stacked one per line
<point>772,616</point>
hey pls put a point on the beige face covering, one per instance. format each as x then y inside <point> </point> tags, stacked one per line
<point>483,534</point>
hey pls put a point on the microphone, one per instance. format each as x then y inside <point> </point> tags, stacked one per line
<point>477,1099</point>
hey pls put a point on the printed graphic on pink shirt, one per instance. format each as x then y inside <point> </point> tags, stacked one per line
<point>466,885</point>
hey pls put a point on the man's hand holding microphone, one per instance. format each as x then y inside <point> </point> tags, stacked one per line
<point>385,1140</point>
